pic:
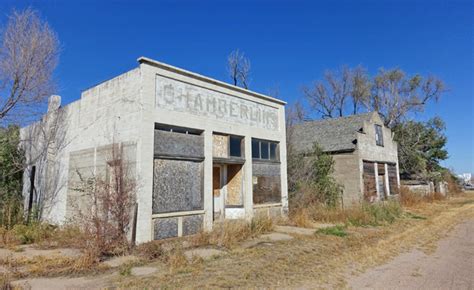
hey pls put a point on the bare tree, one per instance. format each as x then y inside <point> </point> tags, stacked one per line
<point>330,96</point>
<point>28,56</point>
<point>103,202</point>
<point>391,93</point>
<point>238,67</point>
<point>394,95</point>
<point>361,87</point>
<point>42,144</point>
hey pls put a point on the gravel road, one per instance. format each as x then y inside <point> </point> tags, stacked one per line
<point>451,266</point>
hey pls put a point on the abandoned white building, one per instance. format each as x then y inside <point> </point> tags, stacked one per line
<point>201,150</point>
<point>365,155</point>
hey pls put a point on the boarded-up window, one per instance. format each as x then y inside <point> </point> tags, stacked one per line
<point>220,146</point>
<point>234,185</point>
<point>227,146</point>
<point>80,176</point>
<point>178,170</point>
<point>178,185</point>
<point>178,144</point>
<point>392,178</point>
<point>266,183</point>
<point>370,190</point>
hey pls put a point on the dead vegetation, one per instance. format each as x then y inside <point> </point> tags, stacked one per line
<point>368,234</point>
<point>358,215</point>
<point>318,260</point>
<point>229,233</point>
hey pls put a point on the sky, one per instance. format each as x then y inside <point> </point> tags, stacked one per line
<point>289,43</point>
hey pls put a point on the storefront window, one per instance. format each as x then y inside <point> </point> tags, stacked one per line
<point>264,150</point>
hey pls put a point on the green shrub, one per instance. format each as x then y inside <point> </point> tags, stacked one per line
<point>376,214</point>
<point>339,231</point>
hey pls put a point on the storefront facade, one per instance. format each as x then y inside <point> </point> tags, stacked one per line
<point>201,150</point>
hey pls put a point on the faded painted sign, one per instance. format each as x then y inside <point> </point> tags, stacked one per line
<point>178,96</point>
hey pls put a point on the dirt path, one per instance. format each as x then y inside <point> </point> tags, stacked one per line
<point>451,266</point>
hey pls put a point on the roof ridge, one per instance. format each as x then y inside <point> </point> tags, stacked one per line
<point>339,118</point>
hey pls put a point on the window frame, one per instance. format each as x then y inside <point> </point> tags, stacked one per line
<point>378,135</point>
<point>269,144</point>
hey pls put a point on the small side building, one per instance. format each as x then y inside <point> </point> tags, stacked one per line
<point>365,154</point>
<point>201,150</point>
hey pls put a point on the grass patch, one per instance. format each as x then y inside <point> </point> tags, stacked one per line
<point>338,231</point>
<point>231,232</point>
<point>313,260</point>
<point>365,214</point>
<point>126,270</point>
<point>42,266</point>
<point>414,216</point>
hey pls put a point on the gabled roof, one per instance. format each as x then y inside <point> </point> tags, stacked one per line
<point>338,134</point>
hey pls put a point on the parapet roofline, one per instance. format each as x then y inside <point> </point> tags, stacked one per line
<point>207,79</point>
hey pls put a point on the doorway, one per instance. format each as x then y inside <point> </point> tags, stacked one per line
<point>227,186</point>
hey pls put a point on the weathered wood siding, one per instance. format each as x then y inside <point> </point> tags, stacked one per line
<point>370,189</point>
<point>392,179</point>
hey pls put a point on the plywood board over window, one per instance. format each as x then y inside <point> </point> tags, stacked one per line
<point>177,185</point>
<point>370,189</point>
<point>81,171</point>
<point>220,146</point>
<point>234,185</point>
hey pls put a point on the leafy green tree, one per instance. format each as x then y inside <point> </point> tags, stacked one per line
<point>421,148</point>
<point>310,178</point>
<point>10,177</point>
<point>326,187</point>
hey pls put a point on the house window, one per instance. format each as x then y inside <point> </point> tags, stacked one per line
<point>378,135</point>
<point>264,150</point>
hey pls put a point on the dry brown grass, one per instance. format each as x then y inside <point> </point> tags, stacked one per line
<point>409,198</point>
<point>321,260</point>
<point>42,266</point>
<point>5,280</point>
<point>356,215</point>
<point>231,232</point>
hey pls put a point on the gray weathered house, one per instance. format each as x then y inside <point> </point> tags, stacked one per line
<point>365,155</point>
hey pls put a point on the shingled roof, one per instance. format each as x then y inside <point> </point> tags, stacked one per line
<point>338,134</point>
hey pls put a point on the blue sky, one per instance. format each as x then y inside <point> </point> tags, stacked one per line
<point>289,43</point>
